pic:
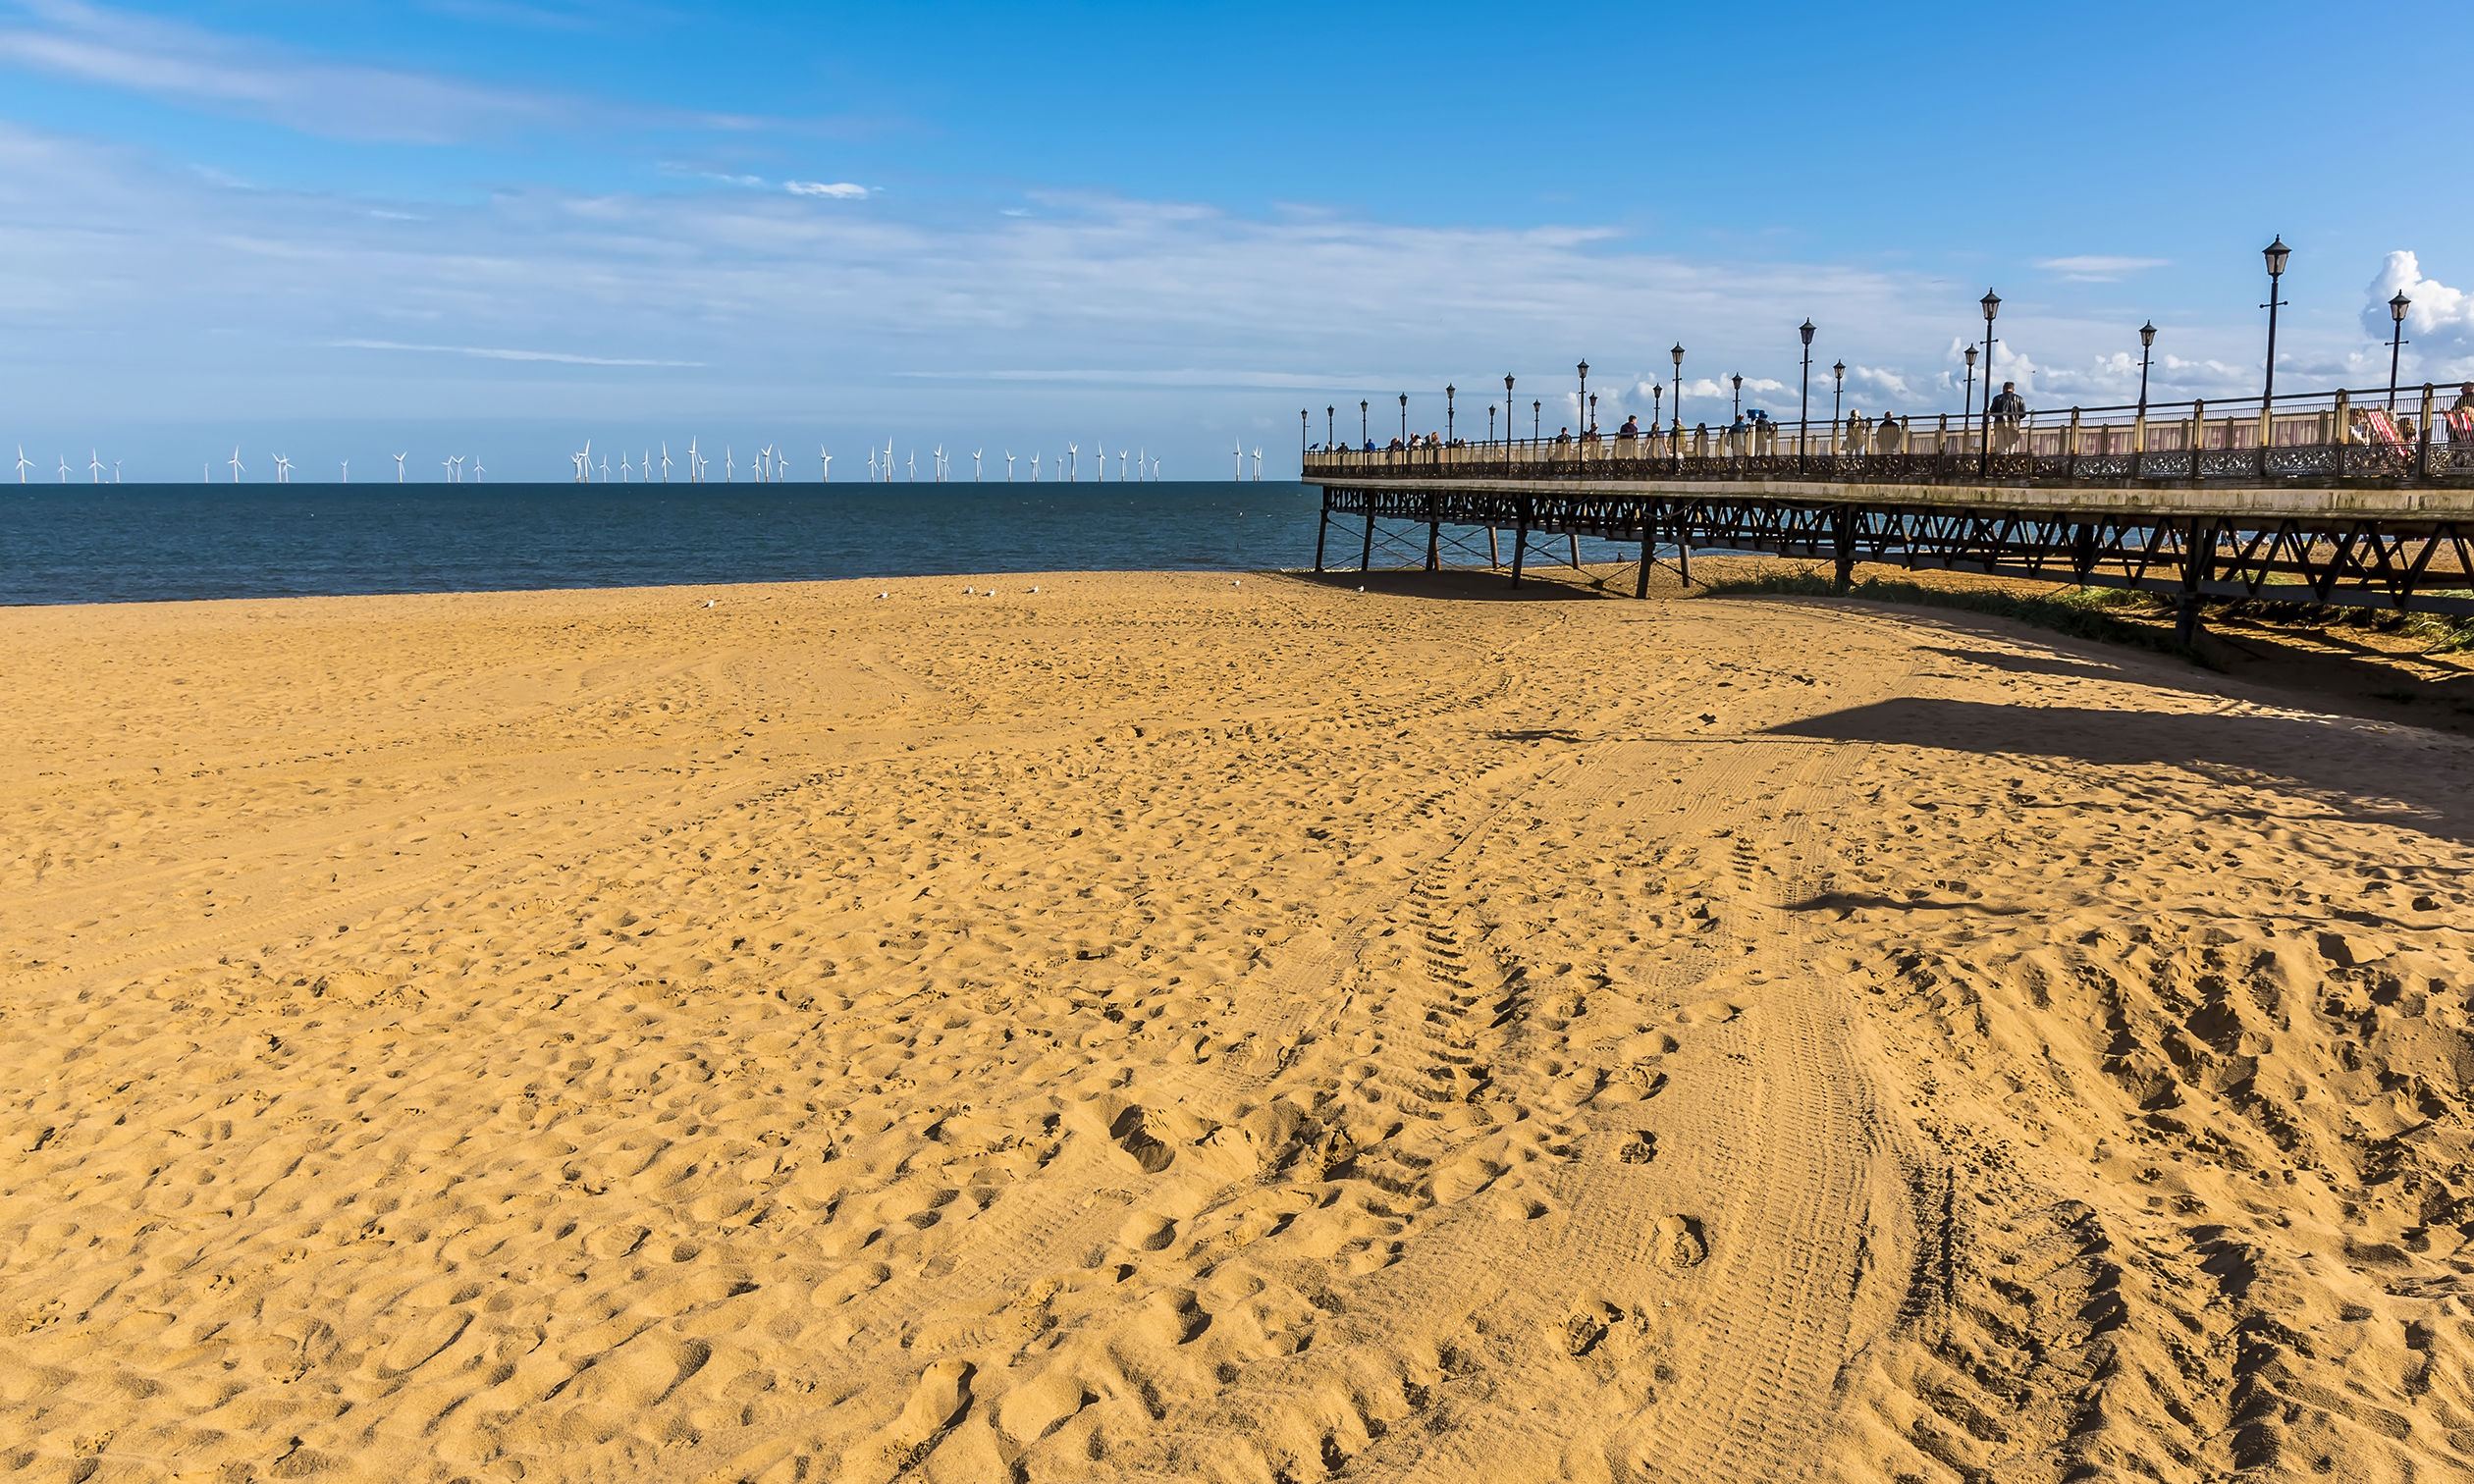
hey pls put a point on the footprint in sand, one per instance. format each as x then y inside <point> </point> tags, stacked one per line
<point>1676,1244</point>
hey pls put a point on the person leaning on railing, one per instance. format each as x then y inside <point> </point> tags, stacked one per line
<point>1887,435</point>
<point>2008,410</point>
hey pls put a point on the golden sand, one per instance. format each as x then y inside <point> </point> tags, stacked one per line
<point>1166,1028</point>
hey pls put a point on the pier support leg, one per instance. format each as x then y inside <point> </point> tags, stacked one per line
<point>1843,545</point>
<point>1365,552</point>
<point>1494,554</point>
<point>1434,537</point>
<point>1520,545</point>
<point>1322,527</point>
<point>1684,549</point>
<point>1575,554</point>
<point>1648,548</point>
<point>2198,560</point>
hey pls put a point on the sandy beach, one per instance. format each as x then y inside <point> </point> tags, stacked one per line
<point>1180,1027</point>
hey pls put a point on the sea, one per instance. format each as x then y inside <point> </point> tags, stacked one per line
<point>69,543</point>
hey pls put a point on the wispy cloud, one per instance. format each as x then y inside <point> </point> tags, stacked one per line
<point>2097,268</point>
<point>840,190</point>
<point>190,64</point>
<point>494,352</point>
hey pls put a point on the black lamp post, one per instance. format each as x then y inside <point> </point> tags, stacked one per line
<point>2275,252</point>
<point>1737,379</point>
<point>1593,413</point>
<point>1803,397</point>
<point>1302,438</point>
<point>1507,410</point>
<point>1657,396</point>
<point>1491,422</point>
<point>1838,390</point>
<point>1967,398</point>
<point>2396,341</point>
<point>1678,414</point>
<point>1992,304</point>
<point>1535,413</point>
<point>1448,392</point>
<point>1403,419</point>
<point>2147,343</point>
<point>1580,403</point>
<point>1364,436</point>
<point>1328,429</point>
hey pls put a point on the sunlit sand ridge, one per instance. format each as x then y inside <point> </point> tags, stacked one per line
<point>1166,1028</point>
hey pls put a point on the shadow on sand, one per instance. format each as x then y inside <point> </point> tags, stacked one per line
<point>2337,764</point>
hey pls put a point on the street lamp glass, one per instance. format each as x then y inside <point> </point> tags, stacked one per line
<point>2398,305</point>
<point>1839,370</point>
<point>2147,332</point>
<point>2276,253</point>
<point>1971,357</point>
<point>1992,304</point>
<point>1678,353</point>
<point>1805,330</point>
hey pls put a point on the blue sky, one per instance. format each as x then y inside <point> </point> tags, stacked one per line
<point>499,226</point>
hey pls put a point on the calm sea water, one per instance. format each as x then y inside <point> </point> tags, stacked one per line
<point>139,543</point>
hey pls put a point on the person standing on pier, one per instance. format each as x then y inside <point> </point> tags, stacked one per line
<point>2007,409</point>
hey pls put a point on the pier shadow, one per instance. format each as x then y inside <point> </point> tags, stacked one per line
<point>2034,664</point>
<point>2334,763</point>
<point>1465,585</point>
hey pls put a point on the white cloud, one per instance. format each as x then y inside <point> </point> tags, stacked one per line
<point>2097,268</point>
<point>840,190</point>
<point>491,352</point>
<point>2440,321</point>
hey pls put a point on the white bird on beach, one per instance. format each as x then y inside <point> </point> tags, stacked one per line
<point>237,471</point>
<point>1009,458</point>
<point>25,464</point>
<point>400,457</point>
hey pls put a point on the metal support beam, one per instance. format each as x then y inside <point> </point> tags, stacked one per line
<point>1648,548</point>
<point>1365,553</point>
<point>1322,525</point>
<point>1520,543</point>
<point>1434,536</point>
<point>1842,544</point>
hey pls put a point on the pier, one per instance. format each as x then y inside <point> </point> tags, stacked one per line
<point>2327,499</point>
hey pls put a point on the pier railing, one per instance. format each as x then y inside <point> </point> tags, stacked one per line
<point>2315,436</point>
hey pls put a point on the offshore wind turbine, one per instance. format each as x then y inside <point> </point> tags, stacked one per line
<point>1120,466</point>
<point>910,469</point>
<point>116,479</point>
<point>347,471</point>
<point>63,468</point>
<point>872,468</point>
<point>237,471</point>
<point>1073,463</point>
<point>1009,458</point>
<point>666,465</point>
<point>24,463</point>
<point>730,465</point>
<point>975,465</point>
<point>94,468</point>
<point>624,469</point>
<point>604,469</point>
<point>1035,468</point>
<point>1237,463</point>
<point>399,458</point>
<point>826,475</point>
<point>476,468</point>
<point>691,460</point>
<point>1258,467</point>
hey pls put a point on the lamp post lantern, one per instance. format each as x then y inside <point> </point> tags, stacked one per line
<point>1803,397</point>
<point>1838,390</point>
<point>1491,422</point>
<point>1403,419</point>
<point>1678,412</point>
<point>2275,252</point>
<point>1535,413</point>
<point>1592,414</point>
<point>1657,398</point>
<point>1364,436</point>
<point>1579,403</point>
<point>1507,409</point>
<point>1992,304</point>
<point>2396,341</point>
<point>2147,343</point>
<point>1302,436</point>
<point>1737,379</point>
<point>1448,393</point>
